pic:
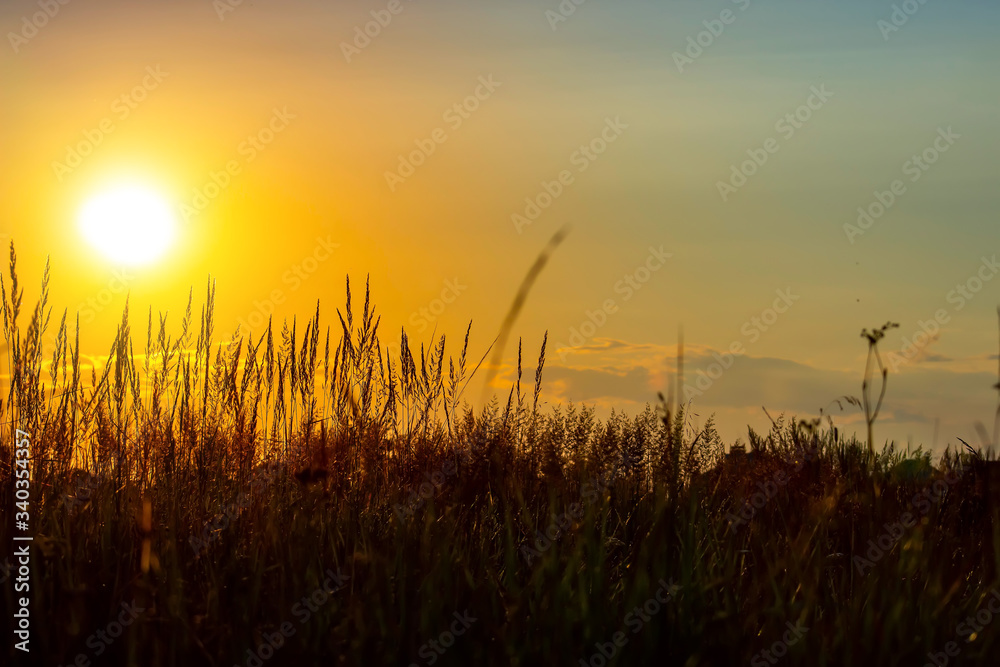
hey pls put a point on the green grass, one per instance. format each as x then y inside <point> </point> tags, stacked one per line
<point>174,435</point>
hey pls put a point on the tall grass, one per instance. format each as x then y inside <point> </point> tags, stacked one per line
<point>376,466</point>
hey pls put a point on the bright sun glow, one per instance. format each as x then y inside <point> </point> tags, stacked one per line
<point>129,225</point>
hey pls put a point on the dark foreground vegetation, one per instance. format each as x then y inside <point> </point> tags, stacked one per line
<point>302,499</point>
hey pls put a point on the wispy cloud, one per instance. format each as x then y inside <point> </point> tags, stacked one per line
<point>616,373</point>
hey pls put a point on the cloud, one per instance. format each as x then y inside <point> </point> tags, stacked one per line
<point>615,373</point>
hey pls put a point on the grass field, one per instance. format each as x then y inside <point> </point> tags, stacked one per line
<point>300,498</point>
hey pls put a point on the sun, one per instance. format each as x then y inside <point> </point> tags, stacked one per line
<point>129,224</point>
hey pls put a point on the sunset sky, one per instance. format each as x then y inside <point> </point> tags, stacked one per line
<point>710,157</point>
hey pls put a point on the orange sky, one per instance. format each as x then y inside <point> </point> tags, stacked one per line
<point>294,152</point>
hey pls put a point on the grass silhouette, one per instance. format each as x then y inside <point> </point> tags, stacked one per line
<point>220,486</point>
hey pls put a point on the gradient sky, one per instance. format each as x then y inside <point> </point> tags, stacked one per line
<point>321,182</point>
